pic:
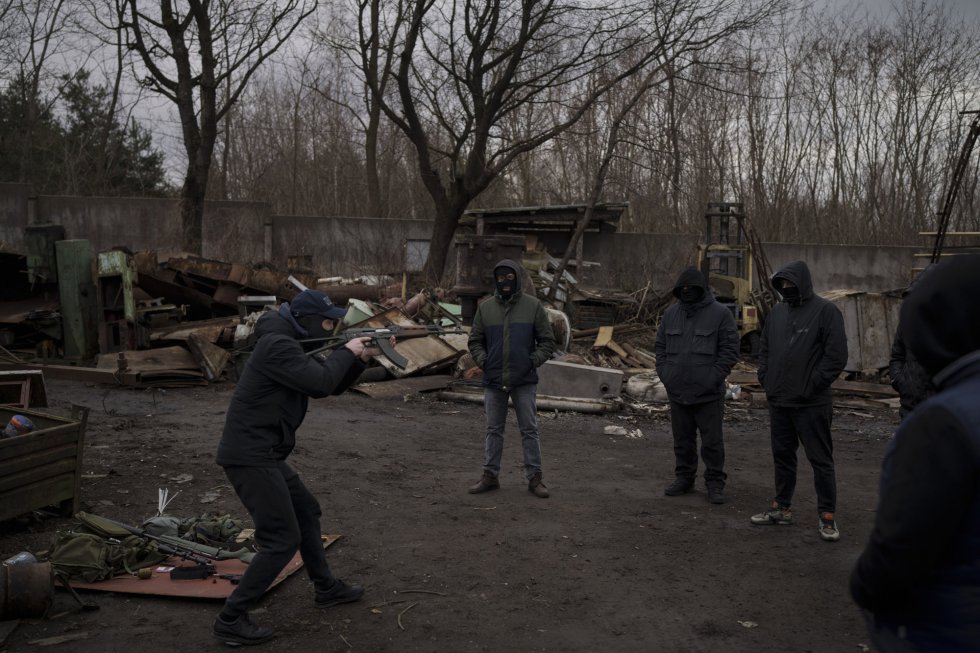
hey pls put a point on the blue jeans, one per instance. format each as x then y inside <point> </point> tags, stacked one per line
<point>525,405</point>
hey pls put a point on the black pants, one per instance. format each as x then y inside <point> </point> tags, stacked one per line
<point>286,518</point>
<point>811,426</point>
<point>685,422</point>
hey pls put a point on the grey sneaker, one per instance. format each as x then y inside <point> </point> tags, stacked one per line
<point>486,483</point>
<point>776,514</point>
<point>828,527</point>
<point>240,632</point>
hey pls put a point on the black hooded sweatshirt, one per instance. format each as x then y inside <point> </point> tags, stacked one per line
<point>803,347</point>
<point>921,566</point>
<point>697,345</point>
<point>272,395</point>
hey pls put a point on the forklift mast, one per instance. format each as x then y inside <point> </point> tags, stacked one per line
<point>733,261</point>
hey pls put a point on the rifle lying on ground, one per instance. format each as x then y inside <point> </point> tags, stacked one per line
<point>381,337</point>
<point>201,554</point>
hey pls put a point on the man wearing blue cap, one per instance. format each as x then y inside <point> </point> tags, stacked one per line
<point>267,408</point>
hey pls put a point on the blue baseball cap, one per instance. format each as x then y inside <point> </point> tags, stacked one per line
<point>314,302</point>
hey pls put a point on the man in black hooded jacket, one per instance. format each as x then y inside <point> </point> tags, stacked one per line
<point>267,408</point>
<point>696,348</point>
<point>918,578</point>
<point>802,351</point>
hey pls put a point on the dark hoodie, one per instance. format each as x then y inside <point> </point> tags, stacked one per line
<point>697,344</point>
<point>921,566</point>
<point>803,347</point>
<point>511,337</point>
<point>908,377</point>
<point>272,395</point>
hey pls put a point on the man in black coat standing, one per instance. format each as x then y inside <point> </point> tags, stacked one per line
<point>697,345</point>
<point>802,351</point>
<point>267,408</point>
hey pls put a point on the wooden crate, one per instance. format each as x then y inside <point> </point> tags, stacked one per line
<point>42,468</point>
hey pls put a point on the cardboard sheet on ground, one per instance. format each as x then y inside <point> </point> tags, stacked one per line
<point>207,588</point>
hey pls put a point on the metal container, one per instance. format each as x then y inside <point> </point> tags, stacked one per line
<point>26,590</point>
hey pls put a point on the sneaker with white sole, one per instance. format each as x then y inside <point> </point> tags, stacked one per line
<point>777,514</point>
<point>828,527</point>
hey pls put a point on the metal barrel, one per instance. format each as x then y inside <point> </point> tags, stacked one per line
<point>26,590</point>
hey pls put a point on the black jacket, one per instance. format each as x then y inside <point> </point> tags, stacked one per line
<point>921,566</point>
<point>803,347</point>
<point>908,377</point>
<point>273,392</point>
<point>697,345</point>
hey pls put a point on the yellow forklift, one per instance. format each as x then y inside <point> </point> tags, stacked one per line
<point>730,256</point>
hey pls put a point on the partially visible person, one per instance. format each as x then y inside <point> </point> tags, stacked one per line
<point>267,408</point>
<point>918,578</point>
<point>802,351</point>
<point>696,348</point>
<point>511,337</point>
<point>908,377</point>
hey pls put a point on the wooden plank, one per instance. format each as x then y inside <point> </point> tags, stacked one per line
<point>401,387</point>
<point>37,459</point>
<point>25,445</point>
<point>152,360</point>
<point>206,588</point>
<point>51,470</point>
<point>603,335</point>
<point>83,374</point>
<point>613,346</point>
<point>71,506</point>
<point>26,498</point>
<point>645,361</point>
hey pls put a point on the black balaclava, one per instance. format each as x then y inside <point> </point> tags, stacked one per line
<point>506,288</point>
<point>314,326</point>
<point>690,294</point>
<point>791,294</point>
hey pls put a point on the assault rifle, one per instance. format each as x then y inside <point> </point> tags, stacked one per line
<point>202,555</point>
<point>381,338</point>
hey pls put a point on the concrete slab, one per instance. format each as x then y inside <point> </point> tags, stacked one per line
<point>557,379</point>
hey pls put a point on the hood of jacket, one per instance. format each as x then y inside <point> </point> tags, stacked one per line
<point>518,276</point>
<point>693,277</point>
<point>281,322</point>
<point>798,273</point>
<point>939,318</point>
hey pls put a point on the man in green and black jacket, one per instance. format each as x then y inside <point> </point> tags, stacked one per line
<point>510,339</point>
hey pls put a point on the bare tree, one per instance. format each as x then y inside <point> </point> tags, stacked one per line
<point>179,46</point>
<point>459,68</point>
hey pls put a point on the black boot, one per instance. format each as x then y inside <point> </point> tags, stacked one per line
<point>339,592</point>
<point>240,632</point>
<point>678,487</point>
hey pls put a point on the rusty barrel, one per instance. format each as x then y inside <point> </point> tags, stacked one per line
<point>26,590</point>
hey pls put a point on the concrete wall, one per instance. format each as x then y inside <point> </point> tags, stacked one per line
<point>13,215</point>
<point>232,230</point>
<point>635,258</point>
<point>346,246</point>
<point>247,232</point>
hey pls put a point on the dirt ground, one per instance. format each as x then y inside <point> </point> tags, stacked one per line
<point>608,563</point>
